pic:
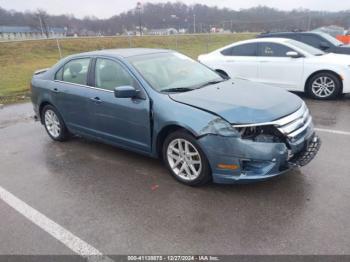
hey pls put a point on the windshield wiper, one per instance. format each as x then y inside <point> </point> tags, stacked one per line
<point>186,89</point>
<point>177,89</point>
<point>212,83</point>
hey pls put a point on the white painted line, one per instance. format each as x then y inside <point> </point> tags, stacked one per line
<point>61,234</point>
<point>338,132</point>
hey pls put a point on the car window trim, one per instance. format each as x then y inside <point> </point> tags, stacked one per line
<point>89,77</point>
<point>91,87</point>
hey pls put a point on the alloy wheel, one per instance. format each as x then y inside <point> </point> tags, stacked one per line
<point>184,159</point>
<point>52,123</point>
<point>323,86</point>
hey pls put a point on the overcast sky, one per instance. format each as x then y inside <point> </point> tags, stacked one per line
<point>108,8</point>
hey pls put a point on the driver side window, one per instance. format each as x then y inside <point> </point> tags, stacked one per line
<point>110,74</point>
<point>273,50</point>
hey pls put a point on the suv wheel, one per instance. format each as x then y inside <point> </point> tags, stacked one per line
<point>185,159</point>
<point>324,86</point>
<point>54,124</point>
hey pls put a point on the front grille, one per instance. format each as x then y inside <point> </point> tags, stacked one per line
<point>294,124</point>
<point>290,126</point>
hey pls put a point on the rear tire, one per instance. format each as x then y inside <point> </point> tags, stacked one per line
<point>324,86</point>
<point>54,124</point>
<point>185,159</point>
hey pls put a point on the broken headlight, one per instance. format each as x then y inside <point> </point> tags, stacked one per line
<point>219,126</point>
<point>266,134</point>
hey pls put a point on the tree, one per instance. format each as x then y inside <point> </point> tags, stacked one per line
<point>43,18</point>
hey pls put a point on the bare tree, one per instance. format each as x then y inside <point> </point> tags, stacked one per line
<point>43,17</point>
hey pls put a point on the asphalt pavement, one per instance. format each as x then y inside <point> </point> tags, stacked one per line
<point>124,203</point>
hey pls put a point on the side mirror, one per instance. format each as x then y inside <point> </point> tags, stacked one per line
<point>125,92</point>
<point>324,45</point>
<point>222,74</point>
<point>293,54</point>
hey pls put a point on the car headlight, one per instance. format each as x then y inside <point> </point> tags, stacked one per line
<point>220,127</point>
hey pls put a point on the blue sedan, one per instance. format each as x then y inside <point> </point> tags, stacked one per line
<point>204,126</point>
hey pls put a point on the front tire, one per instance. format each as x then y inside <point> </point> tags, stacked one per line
<point>324,86</point>
<point>54,124</point>
<point>185,159</point>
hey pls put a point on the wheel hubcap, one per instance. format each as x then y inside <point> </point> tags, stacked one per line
<point>52,123</point>
<point>323,86</point>
<point>184,159</point>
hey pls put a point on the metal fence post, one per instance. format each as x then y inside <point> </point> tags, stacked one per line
<point>129,38</point>
<point>59,48</point>
<point>208,40</point>
<point>176,48</point>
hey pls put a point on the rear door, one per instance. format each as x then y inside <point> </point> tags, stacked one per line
<point>71,94</point>
<point>241,61</point>
<point>277,69</point>
<point>123,121</point>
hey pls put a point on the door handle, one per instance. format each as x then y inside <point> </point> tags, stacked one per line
<point>264,61</point>
<point>55,90</point>
<point>96,100</point>
<point>230,61</point>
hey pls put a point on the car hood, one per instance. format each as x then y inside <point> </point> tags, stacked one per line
<point>344,49</point>
<point>241,101</point>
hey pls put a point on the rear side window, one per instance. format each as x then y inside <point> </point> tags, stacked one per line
<point>241,50</point>
<point>273,50</point>
<point>75,71</point>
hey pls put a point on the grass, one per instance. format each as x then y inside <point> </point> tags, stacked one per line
<point>18,60</point>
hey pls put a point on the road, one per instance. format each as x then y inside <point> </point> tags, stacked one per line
<point>123,203</point>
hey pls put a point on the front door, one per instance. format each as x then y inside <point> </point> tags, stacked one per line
<point>123,121</point>
<point>277,69</point>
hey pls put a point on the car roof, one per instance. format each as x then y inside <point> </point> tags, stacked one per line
<point>262,40</point>
<point>124,52</point>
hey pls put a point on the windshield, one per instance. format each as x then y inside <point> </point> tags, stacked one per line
<point>175,72</point>
<point>330,38</point>
<point>306,48</point>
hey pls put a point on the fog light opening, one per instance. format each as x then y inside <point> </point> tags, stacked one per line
<point>228,166</point>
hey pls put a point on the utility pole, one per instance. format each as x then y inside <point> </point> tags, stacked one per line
<point>139,8</point>
<point>194,23</point>
<point>309,23</point>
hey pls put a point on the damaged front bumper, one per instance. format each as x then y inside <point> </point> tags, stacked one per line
<point>255,161</point>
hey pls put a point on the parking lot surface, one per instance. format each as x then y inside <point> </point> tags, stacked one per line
<point>123,203</point>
